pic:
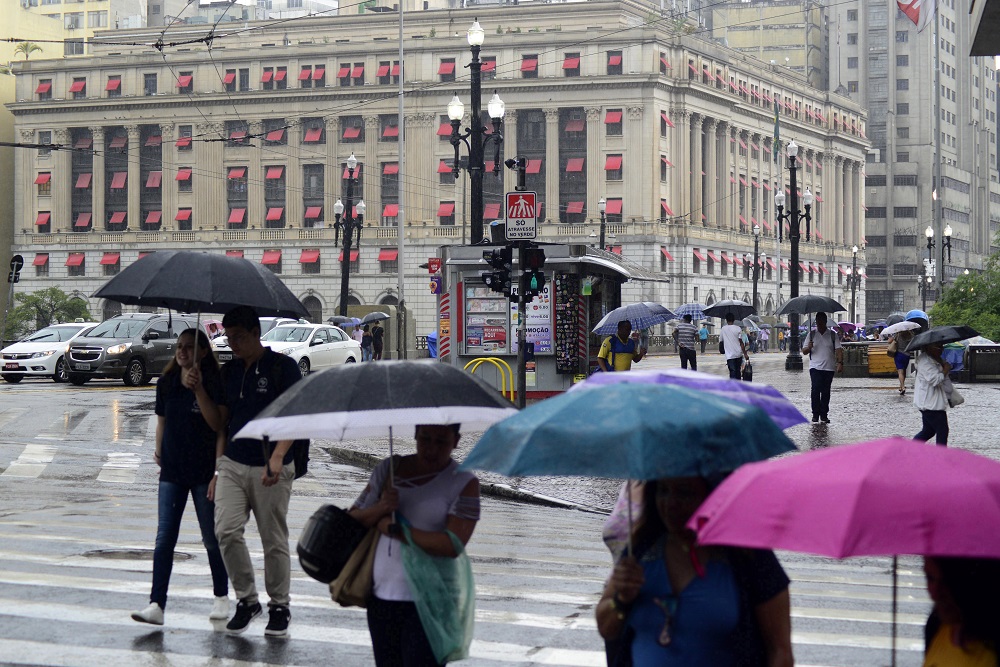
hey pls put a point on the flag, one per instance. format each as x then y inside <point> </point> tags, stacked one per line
<point>777,132</point>
<point>921,12</point>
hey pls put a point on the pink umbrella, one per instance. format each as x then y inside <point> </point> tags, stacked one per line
<point>886,497</point>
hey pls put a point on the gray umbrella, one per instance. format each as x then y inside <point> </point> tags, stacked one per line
<point>942,335</point>
<point>895,318</point>
<point>374,317</point>
<point>739,309</point>
<point>810,303</point>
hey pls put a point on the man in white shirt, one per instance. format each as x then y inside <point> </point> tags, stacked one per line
<point>732,345</point>
<point>826,358</point>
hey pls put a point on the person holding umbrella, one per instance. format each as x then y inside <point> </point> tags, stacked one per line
<point>826,358</point>
<point>686,335</point>
<point>253,479</point>
<point>964,628</point>
<point>378,340</point>
<point>619,351</point>
<point>929,395</point>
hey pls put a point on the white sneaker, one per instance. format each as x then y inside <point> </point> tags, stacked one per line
<point>220,609</point>
<point>152,614</point>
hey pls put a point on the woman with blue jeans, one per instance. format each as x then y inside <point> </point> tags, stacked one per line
<point>188,432</point>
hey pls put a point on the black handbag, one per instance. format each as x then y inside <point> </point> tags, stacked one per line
<point>328,539</point>
<point>748,372</point>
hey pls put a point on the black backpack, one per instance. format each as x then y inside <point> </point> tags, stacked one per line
<point>300,448</point>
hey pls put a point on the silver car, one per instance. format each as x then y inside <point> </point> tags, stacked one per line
<point>313,346</point>
<point>43,353</point>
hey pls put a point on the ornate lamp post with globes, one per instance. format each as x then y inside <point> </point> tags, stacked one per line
<point>793,362</point>
<point>348,224</point>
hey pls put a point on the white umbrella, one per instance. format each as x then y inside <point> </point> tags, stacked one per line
<point>899,326</point>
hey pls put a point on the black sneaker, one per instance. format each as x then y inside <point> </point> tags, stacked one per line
<point>824,419</point>
<point>277,626</point>
<point>245,612</point>
<point>815,419</point>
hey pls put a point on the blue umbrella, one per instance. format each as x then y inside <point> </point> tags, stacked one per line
<point>642,315</point>
<point>629,431</point>
<point>695,310</point>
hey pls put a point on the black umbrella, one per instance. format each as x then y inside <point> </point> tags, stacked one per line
<point>739,309</point>
<point>374,317</point>
<point>895,318</point>
<point>942,335</point>
<point>810,303</point>
<point>342,319</point>
<point>192,282</point>
<point>363,400</point>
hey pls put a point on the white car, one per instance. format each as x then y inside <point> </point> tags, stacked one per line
<point>43,353</point>
<point>220,344</point>
<point>313,346</point>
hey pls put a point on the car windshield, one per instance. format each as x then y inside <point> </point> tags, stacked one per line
<point>287,335</point>
<point>53,334</point>
<point>118,329</point>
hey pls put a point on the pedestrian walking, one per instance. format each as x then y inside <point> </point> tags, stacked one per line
<point>686,335</point>
<point>357,334</point>
<point>188,427</point>
<point>619,351</point>
<point>732,345</point>
<point>963,629</point>
<point>436,500</point>
<point>826,358</point>
<point>252,478</point>
<point>677,603</point>
<point>703,337</point>
<point>366,344</point>
<point>378,341</point>
<point>765,336</point>
<point>898,343</point>
<point>930,394</point>
<point>781,340</point>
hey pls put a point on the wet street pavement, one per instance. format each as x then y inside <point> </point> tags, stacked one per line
<point>78,517</point>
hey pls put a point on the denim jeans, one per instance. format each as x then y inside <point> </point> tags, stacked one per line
<point>822,381</point>
<point>398,637</point>
<point>366,354</point>
<point>735,366</point>
<point>935,424</point>
<point>172,500</point>
<point>688,355</point>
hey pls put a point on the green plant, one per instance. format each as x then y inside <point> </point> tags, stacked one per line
<point>434,32</point>
<point>26,49</point>
<point>499,30</point>
<point>42,308</point>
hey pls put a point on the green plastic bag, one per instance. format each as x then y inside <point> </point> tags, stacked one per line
<point>445,596</point>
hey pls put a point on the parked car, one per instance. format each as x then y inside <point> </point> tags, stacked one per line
<point>313,346</point>
<point>43,353</point>
<point>133,347</point>
<point>220,344</point>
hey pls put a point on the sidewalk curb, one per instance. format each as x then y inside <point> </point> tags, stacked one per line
<point>502,491</point>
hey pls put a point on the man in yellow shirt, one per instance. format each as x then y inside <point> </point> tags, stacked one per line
<point>619,351</point>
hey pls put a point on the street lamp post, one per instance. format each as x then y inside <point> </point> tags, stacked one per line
<point>793,362</point>
<point>926,279</point>
<point>854,282</point>
<point>473,137</point>
<point>756,263</point>
<point>602,206</point>
<point>348,224</point>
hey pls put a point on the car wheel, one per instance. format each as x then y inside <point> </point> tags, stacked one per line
<point>77,379</point>
<point>303,365</point>
<point>351,360</point>
<point>135,373</point>
<point>62,372</point>
<point>13,379</point>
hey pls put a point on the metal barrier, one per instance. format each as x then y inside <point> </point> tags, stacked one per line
<point>500,365</point>
<point>984,363</point>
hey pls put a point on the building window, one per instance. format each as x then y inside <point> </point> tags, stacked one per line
<point>97,19</point>
<point>902,36</point>
<point>615,67</point>
<point>388,261</point>
<point>446,70</point>
<point>183,218</point>
<point>229,81</point>
<point>902,84</point>
<point>113,266</point>
<point>149,84</point>
<point>73,47</point>
<point>663,169</point>
<point>184,137</point>
<point>613,167</point>
<point>352,130</point>
<point>313,131</point>
<point>529,66</point>
<point>358,74</point>
<point>76,265</point>
<point>902,61</point>
<point>114,86</point>
<point>852,63</point>
<point>852,15</point>
<point>904,212</point>
<point>903,157</point>
<point>489,68</point>
<point>79,88</point>
<point>73,20</point>
<point>852,38</point>
<point>275,132</point>
<point>389,128</point>
<point>44,89</point>
<point>446,213</point>
<point>44,183</point>
<point>45,139</point>
<point>613,122</point>
<point>902,133</point>
<point>185,83</point>
<point>41,264</point>
<point>237,133</point>
<point>244,79</point>
<point>852,86</point>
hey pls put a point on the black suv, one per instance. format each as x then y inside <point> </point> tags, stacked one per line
<point>133,347</point>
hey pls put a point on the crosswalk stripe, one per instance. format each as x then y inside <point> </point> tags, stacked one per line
<point>121,468</point>
<point>21,652</point>
<point>59,428</point>
<point>10,414</point>
<point>31,462</point>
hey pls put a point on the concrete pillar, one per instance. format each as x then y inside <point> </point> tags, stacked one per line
<point>62,184</point>
<point>596,186</point>
<point>211,206</point>
<point>256,164</point>
<point>697,180</point>
<point>712,174</point>
<point>168,184</point>
<point>371,172</point>
<point>551,199</point>
<point>635,168</point>
<point>134,183</point>
<point>510,149</point>
<point>682,162</point>
<point>97,217</point>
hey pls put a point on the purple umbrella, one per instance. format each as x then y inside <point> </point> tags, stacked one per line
<point>767,398</point>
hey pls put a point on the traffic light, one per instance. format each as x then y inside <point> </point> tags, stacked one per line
<point>501,261</point>
<point>532,277</point>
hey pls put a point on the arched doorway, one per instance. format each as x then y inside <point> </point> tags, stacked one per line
<point>353,300</point>
<point>314,307</point>
<point>389,300</point>
<point>110,309</point>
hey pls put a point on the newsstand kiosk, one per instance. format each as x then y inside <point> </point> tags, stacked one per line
<point>582,283</point>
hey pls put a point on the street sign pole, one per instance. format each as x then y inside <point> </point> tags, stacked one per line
<point>16,262</point>
<point>522,335</point>
<point>522,227</point>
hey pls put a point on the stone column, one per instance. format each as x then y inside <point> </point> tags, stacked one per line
<point>855,234</point>
<point>595,184</point>
<point>211,206</point>
<point>62,184</point>
<point>720,210</point>
<point>839,195</point>
<point>24,183</point>
<point>294,211</point>
<point>711,175</point>
<point>332,173</point>
<point>135,218</point>
<point>256,164</point>
<point>551,198</point>
<point>697,202</point>
<point>420,204</point>
<point>97,181</point>
<point>682,162</point>
<point>168,185</point>
<point>635,163</point>
<point>372,174</point>
<point>509,149</point>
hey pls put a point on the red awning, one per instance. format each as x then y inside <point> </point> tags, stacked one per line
<point>154,140</point>
<point>266,76</point>
<point>271,257</point>
<point>822,269</point>
<point>727,259</point>
<point>444,129</point>
<point>354,256</point>
<point>529,64</point>
<point>183,142</point>
<point>390,168</point>
<point>314,212</point>
<point>117,218</point>
<point>613,206</point>
<point>358,72</point>
<point>154,178</point>
<point>771,263</point>
<point>237,135</point>
<point>744,181</point>
<point>305,73</point>
<point>183,214</point>
<point>111,258</point>
<point>533,167</point>
<point>612,117</point>
<point>615,60</point>
<point>767,225</point>
<point>184,81</point>
<point>843,271</point>
<point>78,86</point>
<point>575,125</point>
<point>445,209</point>
<point>274,213</point>
<point>75,259</point>
<point>738,260</point>
<point>663,61</point>
<point>390,210</point>
<point>154,217</point>
<point>43,177</point>
<point>698,255</point>
<point>666,161</point>
<point>313,134</point>
<point>118,180</point>
<point>804,267</point>
<point>183,174</point>
<point>388,254</point>
<point>309,257</point>
<point>767,186</point>
<point>617,249</point>
<point>347,172</point>
<point>44,88</point>
<point>571,63</point>
<point>236,215</point>
<point>743,220</point>
<point>118,141</point>
<point>43,218</point>
<point>275,135</point>
<point>666,208</point>
<point>383,70</point>
<point>491,211</point>
<point>234,253</point>
<point>613,162</point>
<point>710,76</point>
<point>345,71</point>
<point>237,172</point>
<point>692,68</point>
<point>666,254</point>
<point>82,220</point>
<point>488,65</point>
<point>712,256</point>
<point>41,259</point>
<point>319,73</point>
<point>229,77</point>
<point>666,120</point>
<point>574,207</point>
<point>352,132</point>
<point>83,142</point>
<point>443,167</point>
<point>574,164</point>
<point>390,131</point>
<point>447,68</point>
<point>280,74</point>
<point>784,265</point>
<point>83,180</point>
<point>274,173</point>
